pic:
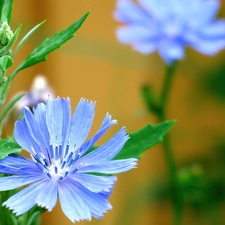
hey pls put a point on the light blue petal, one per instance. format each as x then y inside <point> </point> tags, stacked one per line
<point>146,47</point>
<point>106,124</point>
<point>130,13</point>
<point>96,203</point>
<point>25,199</point>
<point>136,34</point>
<point>16,160</point>
<point>81,123</point>
<point>54,118</point>
<point>107,151</point>
<point>16,164</point>
<point>94,183</point>
<point>40,117</point>
<point>35,131</point>
<point>12,182</point>
<point>109,167</point>
<point>209,47</point>
<point>213,30</point>
<point>48,195</point>
<point>201,11</point>
<point>66,120</point>
<point>72,204</point>
<point>171,51</point>
<point>155,8</point>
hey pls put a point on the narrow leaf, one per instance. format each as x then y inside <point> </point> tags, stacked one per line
<point>5,11</point>
<point>9,107</point>
<point>40,53</point>
<point>143,139</point>
<point>8,146</point>
<point>26,37</point>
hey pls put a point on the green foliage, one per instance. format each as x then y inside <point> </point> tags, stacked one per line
<point>8,146</point>
<point>5,62</point>
<point>40,53</point>
<point>143,139</point>
<point>5,11</point>
<point>26,37</point>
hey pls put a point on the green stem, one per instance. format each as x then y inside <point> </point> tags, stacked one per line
<point>170,161</point>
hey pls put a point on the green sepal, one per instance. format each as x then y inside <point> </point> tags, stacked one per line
<point>8,146</point>
<point>5,11</point>
<point>40,53</point>
<point>26,37</point>
<point>5,62</point>
<point>143,139</point>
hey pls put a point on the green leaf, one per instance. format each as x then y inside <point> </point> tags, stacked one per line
<point>9,106</point>
<point>26,37</point>
<point>5,11</point>
<point>8,146</point>
<point>40,53</point>
<point>144,139</point>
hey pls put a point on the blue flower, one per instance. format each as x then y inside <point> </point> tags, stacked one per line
<point>167,26</point>
<point>61,166</point>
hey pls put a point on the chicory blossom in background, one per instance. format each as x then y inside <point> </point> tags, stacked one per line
<point>61,166</point>
<point>167,26</point>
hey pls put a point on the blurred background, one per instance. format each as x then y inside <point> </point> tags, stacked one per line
<point>96,66</point>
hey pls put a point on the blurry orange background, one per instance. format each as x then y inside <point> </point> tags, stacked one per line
<point>96,66</point>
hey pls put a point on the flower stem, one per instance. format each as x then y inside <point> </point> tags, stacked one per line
<point>159,109</point>
<point>170,161</point>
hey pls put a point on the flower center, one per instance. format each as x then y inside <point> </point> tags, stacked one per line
<point>54,165</point>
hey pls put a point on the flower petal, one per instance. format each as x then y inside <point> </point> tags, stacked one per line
<point>81,123</point>
<point>106,151</point>
<point>171,51</point>
<point>48,195</point>
<point>94,183</point>
<point>25,199</point>
<point>12,182</point>
<point>54,118</point>
<point>129,12</point>
<point>72,203</point>
<point>106,124</point>
<point>109,167</point>
<point>24,137</point>
<point>96,203</point>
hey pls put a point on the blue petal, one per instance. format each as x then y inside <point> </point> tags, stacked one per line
<point>96,203</point>
<point>35,131</point>
<point>201,11</point>
<point>214,30</point>
<point>54,118</point>
<point>24,137</point>
<point>109,167</point>
<point>72,204</point>
<point>136,34</point>
<point>48,195</point>
<point>16,164</point>
<point>40,117</point>
<point>171,51</point>
<point>66,120</point>
<point>107,151</point>
<point>24,200</point>
<point>94,183</point>
<point>81,123</point>
<point>17,161</point>
<point>130,13</point>
<point>12,182</point>
<point>106,124</point>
